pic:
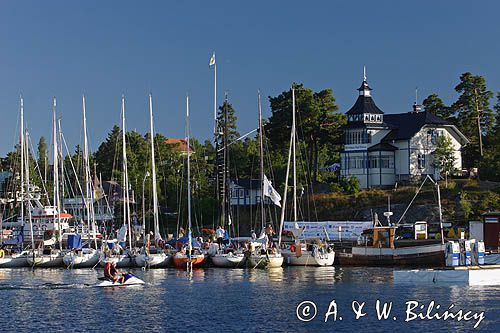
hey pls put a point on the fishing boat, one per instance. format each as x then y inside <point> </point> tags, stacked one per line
<point>153,257</point>
<point>382,246</point>
<point>190,254</point>
<point>260,255</point>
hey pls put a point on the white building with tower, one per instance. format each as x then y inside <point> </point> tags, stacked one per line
<point>382,149</point>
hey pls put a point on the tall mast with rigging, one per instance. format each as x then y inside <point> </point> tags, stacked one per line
<point>153,172</point>
<point>190,240</point>
<point>126,196</point>
<point>261,145</point>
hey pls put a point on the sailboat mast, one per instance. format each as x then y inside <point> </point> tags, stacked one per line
<point>126,204</point>
<point>89,197</point>
<point>21,147</point>
<point>294,159</point>
<point>292,140</point>
<point>28,191</point>
<point>261,144</point>
<point>153,171</point>
<point>190,245</point>
<point>56,172</point>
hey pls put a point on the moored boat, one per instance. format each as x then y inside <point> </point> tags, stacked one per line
<point>13,260</point>
<point>82,258</point>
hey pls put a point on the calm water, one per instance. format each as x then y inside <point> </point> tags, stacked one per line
<point>229,301</point>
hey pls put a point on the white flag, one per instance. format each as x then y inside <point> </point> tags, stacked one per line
<point>270,192</point>
<point>212,60</point>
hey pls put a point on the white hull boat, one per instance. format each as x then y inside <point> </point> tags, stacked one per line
<point>130,280</point>
<point>46,260</point>
<point>308,258</point>
<point>229,260</point>
<point>153,260</point>
<point>265,260</point>
<point>84,258</point>
<point>14,260</point>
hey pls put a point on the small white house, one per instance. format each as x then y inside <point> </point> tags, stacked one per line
<point>246,192</point>
<point>382,149</point>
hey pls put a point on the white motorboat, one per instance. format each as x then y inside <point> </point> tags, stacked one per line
<point>82,258</point>
<point>129,280</point>
<point>264,260</point>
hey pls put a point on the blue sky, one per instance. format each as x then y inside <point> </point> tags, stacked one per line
<point>106,48</point>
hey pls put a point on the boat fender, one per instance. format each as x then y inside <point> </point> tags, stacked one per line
<point>2,253</point>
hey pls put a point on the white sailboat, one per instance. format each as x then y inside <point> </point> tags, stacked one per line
<point>153,256</point>
<point>11,259</point>
<point>260,256</point>
<point>188,257</point>
<point>301,253</point>
<point>86,257</point>
<point>50,253</point>
<point>122,257</point>
<point>226,257</point>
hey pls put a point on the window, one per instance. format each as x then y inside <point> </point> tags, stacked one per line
<point>356,162</point>
<point>373,162</point>
<point>421,161</point>
<point>379,118</point>
<point>234,193</point>
<point>241,193</point>
<point>433,135</point>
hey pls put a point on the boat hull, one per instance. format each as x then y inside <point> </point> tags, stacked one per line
<point>308,259</point>
<point>46,260</point>
<point>228,260</point>
<point>121,261</point>
<point>81,259</point>
<point>418,256</point>
<point>265,261</point>
<point>14,261</point>
<point>181,260</point>
<point>157,260</point>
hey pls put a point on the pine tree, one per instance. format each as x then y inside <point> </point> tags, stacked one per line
<point>473,111</point>
<point>444,157</point>
<point>435,105</point>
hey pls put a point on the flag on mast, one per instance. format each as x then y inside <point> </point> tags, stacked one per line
<point>270,192</point>
<point>212,60</point>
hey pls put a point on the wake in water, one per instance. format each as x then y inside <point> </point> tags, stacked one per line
<point>7,286</point>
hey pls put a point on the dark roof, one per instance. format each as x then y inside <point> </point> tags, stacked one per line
<point>382,147</point>
<point>364,104</point>
<point>364,86</point>
<point>248,183</point>
<point>407,124</point>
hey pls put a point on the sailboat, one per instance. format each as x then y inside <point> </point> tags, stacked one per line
<point>225,257</point>
<point>153,256</point>
<point>113,252</point>
<point>10,258</point>
<point>190,256</point>
<point>84,257</point>
<point>49,253</point>
<point>260,256</point>
<point>301,253</point>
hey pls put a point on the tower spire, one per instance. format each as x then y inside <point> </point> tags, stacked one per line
<point>364,73</point>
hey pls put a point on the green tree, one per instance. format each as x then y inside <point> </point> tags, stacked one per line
<point>473,109</point>
<point>490,165</point>
<point>43,158</point>
<point>233,133</point>
<point>444,157</point>
<point>319,125</point>
<point>435,105</point>
<point>107,154</point>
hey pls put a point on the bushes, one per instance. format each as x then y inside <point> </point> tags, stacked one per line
<point>350,185</point>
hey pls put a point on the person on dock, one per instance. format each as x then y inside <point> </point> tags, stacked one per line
<point>219,233</point>
<point>111,273</point>
<point>270,234</point>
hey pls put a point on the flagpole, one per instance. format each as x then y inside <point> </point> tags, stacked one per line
<point>215,97</point>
